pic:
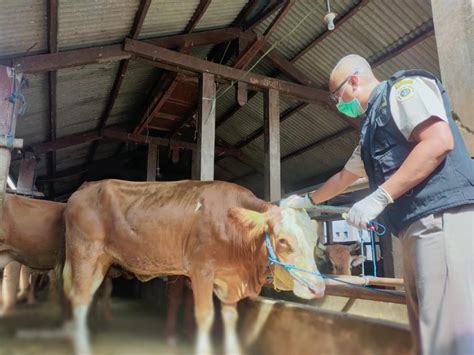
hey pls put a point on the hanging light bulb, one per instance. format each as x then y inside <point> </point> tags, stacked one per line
<point>329,17</point>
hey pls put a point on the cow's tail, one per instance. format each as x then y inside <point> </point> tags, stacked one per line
<point>57,286</point>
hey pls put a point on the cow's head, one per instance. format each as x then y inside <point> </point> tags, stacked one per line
<point>293,237</point>
<point>341,258</point>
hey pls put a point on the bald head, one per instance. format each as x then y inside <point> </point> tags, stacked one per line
<point>347,66</point>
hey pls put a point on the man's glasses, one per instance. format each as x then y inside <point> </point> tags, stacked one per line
<point>333,93</point>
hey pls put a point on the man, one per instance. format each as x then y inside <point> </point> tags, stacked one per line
<point>422,180</point>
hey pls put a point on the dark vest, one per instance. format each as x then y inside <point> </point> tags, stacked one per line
<point>384,149</point>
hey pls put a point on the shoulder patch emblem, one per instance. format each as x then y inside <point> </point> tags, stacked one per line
<point>403,82</point>
<point>405,92</point>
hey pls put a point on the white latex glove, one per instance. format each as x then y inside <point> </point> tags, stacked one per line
<point>368,208</point>
<point>296,201</point>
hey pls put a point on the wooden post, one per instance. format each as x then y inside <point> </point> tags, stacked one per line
<point>152,162</point>
<point>272,145</point>
<point>207,126</point>
<point>10,86</point>
<point>26,177</point>
<point>454,30</point>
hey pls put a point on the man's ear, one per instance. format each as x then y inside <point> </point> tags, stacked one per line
<point>251,224</point>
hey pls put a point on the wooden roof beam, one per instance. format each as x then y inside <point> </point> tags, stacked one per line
<point>120,135</point>
<point>160,55</point>
<point>111,53</point>
<point>267,12</point>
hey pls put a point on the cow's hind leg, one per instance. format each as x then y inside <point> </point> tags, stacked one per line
<point>174,288</point>
<point>24,283</point>
<point>82,277</point>
<point>230,317</point>
<point>11,277</point>
<point>203,311</point>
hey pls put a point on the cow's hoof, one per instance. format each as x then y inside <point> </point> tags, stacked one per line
<point>22,297</point>
<point>6,311</point>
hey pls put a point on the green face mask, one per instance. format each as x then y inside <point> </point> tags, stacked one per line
<point>352,108</point>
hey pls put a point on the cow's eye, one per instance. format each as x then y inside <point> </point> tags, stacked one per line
<point>283,242</point>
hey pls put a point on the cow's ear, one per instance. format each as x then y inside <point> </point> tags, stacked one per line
<point>354,247</point>
<point>357,260</point>
<point>250,223</point>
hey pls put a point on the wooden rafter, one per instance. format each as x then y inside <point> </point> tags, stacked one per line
<point>159,55</point>
<point>166,90</point>
<point>116,133</point>
<point>241,21</point>
<point>244,13</point>
<point>30,64</point>
<point>275,5</point>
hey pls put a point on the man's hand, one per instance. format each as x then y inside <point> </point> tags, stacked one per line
<point>295,201</point>
<point>368,209</point>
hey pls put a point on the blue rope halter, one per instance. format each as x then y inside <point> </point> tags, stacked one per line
<point>291,268</point>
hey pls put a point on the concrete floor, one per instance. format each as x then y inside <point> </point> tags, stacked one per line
<point>134,329</point>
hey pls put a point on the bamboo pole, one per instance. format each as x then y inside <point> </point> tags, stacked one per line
<point>366,281</point>
<point>365,294</point>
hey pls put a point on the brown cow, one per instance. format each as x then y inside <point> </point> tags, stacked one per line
<point>31,233</point>
<point>336,259</point>
<point>212,232</point>
<point>340,257</point>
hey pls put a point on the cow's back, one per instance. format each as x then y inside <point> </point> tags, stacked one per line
<point>155,226</point>
<point>32,230</point>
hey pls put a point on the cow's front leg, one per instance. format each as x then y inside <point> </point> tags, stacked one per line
<point>230,317</point>
<point>11,277</point>
<point>204,311</point>
<point>174,293</point>
<point>24,283</point>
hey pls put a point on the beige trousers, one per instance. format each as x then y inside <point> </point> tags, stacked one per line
<point>438,258</point>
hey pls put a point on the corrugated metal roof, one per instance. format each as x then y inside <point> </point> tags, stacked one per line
<point>33,126</point>
<point>306,127</point>
<point>81,96</point>
<point>422,56</point>
<point>366,33</point>
<point>166,17</point>
<point>138,81</point>
<point>22,26</point>
<point>106,150</point>
<point>220,13</point>
<point>72,156</point>
<point>302,34</point>
<point>323,158</point>
<point>246,120</point>
<point>87,22</point>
